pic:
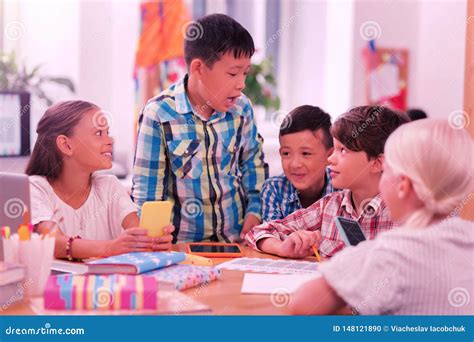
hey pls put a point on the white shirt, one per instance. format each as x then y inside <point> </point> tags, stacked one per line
<point>99,218</point>
<point>408,271</point>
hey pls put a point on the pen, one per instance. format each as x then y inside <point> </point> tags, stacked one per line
<point>316,253</point>
<point>6,232</point>
<point>23,232</point>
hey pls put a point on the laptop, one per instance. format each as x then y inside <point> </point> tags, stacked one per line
<point>14,197</point>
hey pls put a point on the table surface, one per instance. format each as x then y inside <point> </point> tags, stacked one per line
<point>222,296</point>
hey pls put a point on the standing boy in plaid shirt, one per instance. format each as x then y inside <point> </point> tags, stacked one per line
<point>198,145</point>
<point>356,166</point>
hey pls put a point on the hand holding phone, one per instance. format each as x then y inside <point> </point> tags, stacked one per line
<point>155,216</point>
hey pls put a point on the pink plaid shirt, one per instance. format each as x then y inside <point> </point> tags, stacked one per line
<point>320,215</point>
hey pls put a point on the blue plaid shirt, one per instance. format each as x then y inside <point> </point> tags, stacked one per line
<point>211,170</point>
<point>279,198</point>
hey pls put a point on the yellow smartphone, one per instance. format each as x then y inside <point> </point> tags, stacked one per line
<point>155,216</point>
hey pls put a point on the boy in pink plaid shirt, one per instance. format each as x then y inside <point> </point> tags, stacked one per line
<point>356,166</point>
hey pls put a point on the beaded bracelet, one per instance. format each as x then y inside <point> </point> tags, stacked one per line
<point>69,247</point>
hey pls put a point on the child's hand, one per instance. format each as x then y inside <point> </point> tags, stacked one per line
<point>250,221</point>
<point>298,244</point>
<point>131,240</point>
<point>137,240</point>
<point>163,243</point>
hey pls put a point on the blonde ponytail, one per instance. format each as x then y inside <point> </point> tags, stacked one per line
<point>438,159</point>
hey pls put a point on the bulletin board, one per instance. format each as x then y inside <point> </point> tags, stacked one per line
<point>386,77</point>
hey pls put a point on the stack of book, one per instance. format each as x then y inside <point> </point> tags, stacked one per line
<point>132,281</point>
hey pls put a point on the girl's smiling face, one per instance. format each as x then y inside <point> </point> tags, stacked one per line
<point>90,144</point>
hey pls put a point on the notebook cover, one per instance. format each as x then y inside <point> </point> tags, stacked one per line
<point>186,276</point>
<point>134,263</point>
<point>100,292</point>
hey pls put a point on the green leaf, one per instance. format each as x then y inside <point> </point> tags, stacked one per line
<point>62,81</point>
<point>15,77</point>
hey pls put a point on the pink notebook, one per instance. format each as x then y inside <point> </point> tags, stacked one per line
<point>185,276</point>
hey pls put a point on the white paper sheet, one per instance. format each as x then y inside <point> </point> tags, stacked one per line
<point>258,283</point>
<point>384,82</point>
<point>270,266</point>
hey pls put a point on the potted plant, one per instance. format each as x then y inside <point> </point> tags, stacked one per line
<point>260,85</point>
<point>17,84</point>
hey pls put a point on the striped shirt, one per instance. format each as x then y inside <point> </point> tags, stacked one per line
<point>408,271</point>
<point>320,216</point>
<point>279,198</point>
<point>211,170</point>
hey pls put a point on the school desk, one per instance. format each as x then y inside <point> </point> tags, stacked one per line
<point>223,296</point>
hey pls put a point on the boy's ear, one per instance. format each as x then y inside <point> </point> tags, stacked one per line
<point>377,163</point>
<point>63,145</point>
<point>195,68</point>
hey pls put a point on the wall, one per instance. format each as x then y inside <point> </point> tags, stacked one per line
<point>93,42</point>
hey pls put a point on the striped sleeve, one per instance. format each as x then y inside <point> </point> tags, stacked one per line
<point>149,179</point>
<point>368,277</point>
<point>271,202</point>
<point>253,166</point>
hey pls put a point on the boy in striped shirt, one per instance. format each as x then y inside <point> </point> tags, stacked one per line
<point>356,166</point>
<point>198,144</point>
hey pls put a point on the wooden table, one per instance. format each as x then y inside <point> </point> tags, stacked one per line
<point>223,296</point>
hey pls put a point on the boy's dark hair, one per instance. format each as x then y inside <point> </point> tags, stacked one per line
<point>215,35</point>
<point>308,117</point>
<point>416,114</point>
<point>366,128</point>
<point>59,119</point>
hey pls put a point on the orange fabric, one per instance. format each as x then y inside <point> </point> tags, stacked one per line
<point>161,36</point>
